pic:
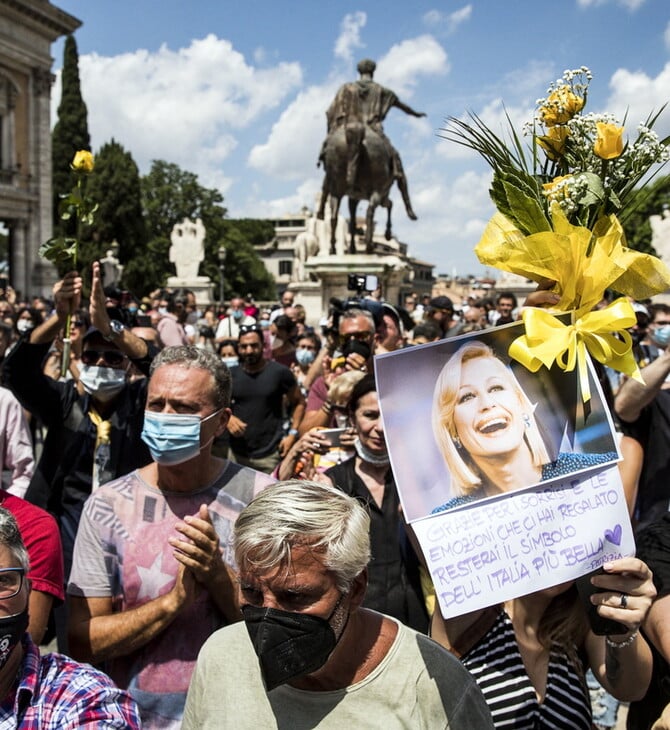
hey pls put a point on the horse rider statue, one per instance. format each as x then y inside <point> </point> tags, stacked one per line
<point>360,106</point>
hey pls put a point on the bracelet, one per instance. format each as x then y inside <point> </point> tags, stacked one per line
<point>293,432</point>
<point>622,644</point>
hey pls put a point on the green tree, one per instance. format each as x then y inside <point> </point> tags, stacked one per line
<point>244,272</point>
<point>649,200</point>
<point>115,185</point>
<point>71,131</point>
<point>170,194</point>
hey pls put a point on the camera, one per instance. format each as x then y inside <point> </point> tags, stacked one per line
<point>362,282</point>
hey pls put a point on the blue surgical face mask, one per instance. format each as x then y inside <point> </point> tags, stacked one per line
<point>304,357</point>
<point>661,335</point>
<point>173,438</point>
<point>238,314</point>
<point>230,362</point>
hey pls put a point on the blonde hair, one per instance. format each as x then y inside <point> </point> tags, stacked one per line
<point>464,474</point>
<point>342,386</point>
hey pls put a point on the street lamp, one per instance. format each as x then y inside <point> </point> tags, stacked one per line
<point>222,265</point>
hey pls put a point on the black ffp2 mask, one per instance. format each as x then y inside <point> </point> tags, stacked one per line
<point>288,644</point>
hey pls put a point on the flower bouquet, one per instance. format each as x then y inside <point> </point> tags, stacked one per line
<point>559,203</point>
<point>63,250</point>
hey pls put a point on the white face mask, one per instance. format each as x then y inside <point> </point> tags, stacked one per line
<point>23,325</point>
<point>103,383</point>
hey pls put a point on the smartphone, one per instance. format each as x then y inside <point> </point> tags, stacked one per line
<point>599,625</point>
<point>143,320</point>
<point>332,434</point>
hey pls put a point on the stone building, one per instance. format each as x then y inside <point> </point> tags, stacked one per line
<point>27,30</point>
<point>298,257</point>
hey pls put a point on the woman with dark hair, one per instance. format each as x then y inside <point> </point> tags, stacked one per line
<point>394,586</point>
<point>529,655</point>
<point>283,334</point>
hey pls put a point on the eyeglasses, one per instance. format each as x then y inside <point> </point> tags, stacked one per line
<point>246,328</point>
<point>110,357</point>
<point>11,581</point>
<point>78,323</point>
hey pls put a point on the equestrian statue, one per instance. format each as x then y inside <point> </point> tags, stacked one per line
<point>359,159</point>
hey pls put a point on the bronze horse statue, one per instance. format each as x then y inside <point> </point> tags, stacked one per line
<point>372,182</point>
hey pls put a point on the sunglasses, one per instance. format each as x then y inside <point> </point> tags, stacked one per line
<point>11,580</point>
<point>245,328</point>
<point>110,357</point>
<point>360,336</point>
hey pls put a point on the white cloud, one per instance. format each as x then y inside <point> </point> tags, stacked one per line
<point>494,116</point>
<point>304,195</point>
<point>406,61</point>
<point>295,139</point>
<point>186,106</point>
<point>636,94</point>
<point>439,20</point>
<point>350,35</point>
<point>453,208</point>
<point>630,4</point>
<point>459,16</point>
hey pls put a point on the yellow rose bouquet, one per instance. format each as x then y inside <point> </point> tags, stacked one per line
<point>560,200</point>
<point>63,250</point>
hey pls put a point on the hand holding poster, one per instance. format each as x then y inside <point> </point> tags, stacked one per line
<point>508,487</point>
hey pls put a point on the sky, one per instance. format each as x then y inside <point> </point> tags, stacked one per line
<point>237,93</point>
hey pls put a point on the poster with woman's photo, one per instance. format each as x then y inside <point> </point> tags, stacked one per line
<point>475,439</point>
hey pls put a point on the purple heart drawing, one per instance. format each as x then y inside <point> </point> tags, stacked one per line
<point>614,536</point>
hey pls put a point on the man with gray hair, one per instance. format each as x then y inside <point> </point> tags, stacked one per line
<point>152,574</point>
<point>307,654</point>
<point>50,691</point>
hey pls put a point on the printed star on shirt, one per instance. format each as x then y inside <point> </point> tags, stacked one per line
<point>153,580</point>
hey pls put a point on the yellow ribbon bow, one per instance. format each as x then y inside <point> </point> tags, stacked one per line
<point>602,332</point>
<point>104,428</point>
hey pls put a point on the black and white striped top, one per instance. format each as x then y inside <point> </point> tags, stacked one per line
<point>496,664</point>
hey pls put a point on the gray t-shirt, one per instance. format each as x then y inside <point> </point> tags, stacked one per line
<point>123,552</point>
<point>417,686</point>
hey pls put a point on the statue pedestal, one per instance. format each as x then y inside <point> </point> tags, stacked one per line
<point>331,273</point>
<point>201,286</point>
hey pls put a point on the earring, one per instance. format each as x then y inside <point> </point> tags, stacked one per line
<point>526,420</point>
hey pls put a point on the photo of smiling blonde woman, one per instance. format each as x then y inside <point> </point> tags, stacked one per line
<point>485,428</point>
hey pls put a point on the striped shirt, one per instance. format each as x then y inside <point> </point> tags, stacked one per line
<point>496,664</point>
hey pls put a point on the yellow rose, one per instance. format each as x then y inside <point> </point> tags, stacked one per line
<point>561,105</point>
<point>557,189</point>
<point>553,143</point>
<point>609,141</point>
<point>83,161</point>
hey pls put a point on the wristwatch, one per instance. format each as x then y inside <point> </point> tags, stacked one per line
<point>115,330</point>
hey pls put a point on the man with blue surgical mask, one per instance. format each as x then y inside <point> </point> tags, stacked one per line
<point>229,327</point>
<point>152,575</point>
<point>93,423</point>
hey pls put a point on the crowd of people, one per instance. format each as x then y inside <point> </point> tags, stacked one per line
<point>191,468</point>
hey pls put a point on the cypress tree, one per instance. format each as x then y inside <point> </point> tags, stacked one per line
<point>71,131</point>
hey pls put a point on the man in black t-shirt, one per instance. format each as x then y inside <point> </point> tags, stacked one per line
<point>259,387</point>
